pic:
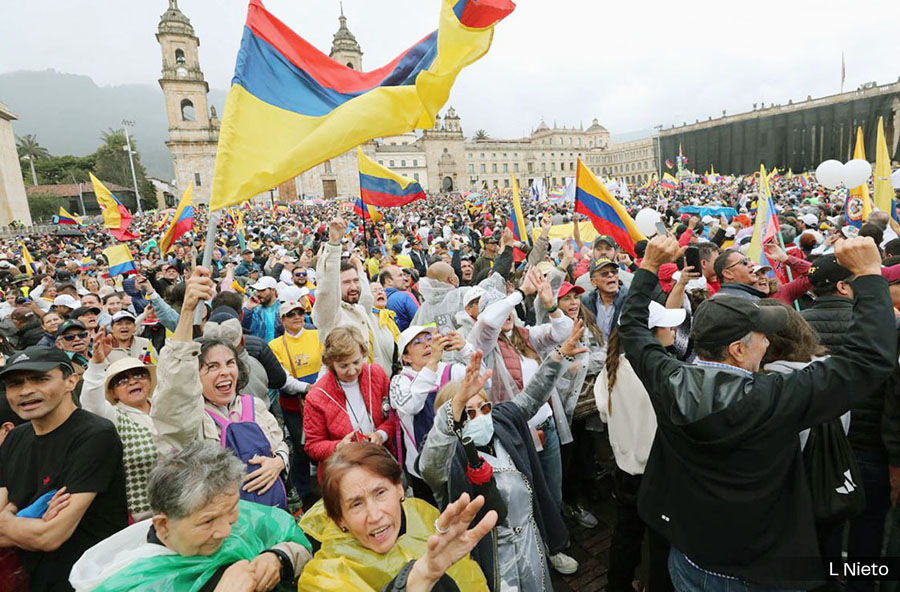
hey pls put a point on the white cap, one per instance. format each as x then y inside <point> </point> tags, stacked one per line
<point>730,232</point>
<point>122,314</point>
<point>287,293</point>
<point>67,301</point>
<point>266,282</point>
<point>810,219</point>
<point>410,333</point>
<point>759,268</point>
<point>474,293</point>
<point>707,219</point>
<point>660,316</point>
<point>287,307</point>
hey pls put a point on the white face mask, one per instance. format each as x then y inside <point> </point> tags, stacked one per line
<point>480,429</point>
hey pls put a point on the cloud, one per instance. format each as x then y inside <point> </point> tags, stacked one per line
<point>632,65</point>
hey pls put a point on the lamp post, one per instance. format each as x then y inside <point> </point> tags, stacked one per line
<point>80,196</point>
<point>31,162</point>
<point>127,148</point>
<point>658,129</point>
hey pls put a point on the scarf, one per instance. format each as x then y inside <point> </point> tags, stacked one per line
<point>386,319</point>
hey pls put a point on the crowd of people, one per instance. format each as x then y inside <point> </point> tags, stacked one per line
<point>423,403</point>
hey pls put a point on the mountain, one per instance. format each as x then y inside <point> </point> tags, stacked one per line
<point>68,112</point>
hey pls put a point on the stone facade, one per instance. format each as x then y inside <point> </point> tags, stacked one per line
<point>193,126</point>
<point>13,201</point>
<point>440,158</point>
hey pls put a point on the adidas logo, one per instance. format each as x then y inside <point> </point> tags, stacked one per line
<point>849,486</point>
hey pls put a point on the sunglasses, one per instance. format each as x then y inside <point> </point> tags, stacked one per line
<point>299,275</point>
<point>126,377</point>
<point>744,261</point>
<point>426,338</point>
<point>484,410</point>
<point>294,313</point>
<point>74,336</point>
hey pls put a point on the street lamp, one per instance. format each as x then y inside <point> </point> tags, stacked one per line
<point>127,148</point>
<point>31,162</point>
<point>658,129</point>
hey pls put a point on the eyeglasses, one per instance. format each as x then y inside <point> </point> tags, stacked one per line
<point>124,378</point>
<point>294,313</point>
<point>484,410</point>
<point>74,336</point>
<point>608,273</point>
<point>426,338</point>
<point>743,261</point>
<point>299,275</point>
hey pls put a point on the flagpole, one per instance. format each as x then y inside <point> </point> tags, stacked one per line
<point>212,224</point>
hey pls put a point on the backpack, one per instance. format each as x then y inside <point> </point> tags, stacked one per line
<point>835,483</point>
<point>246,439</point>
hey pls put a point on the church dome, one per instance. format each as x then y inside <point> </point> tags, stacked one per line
<point>543,127</point>
<point>174,21</point>
<point>344,40</point>
<point>595,127</point>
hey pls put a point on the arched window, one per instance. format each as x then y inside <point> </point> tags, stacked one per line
<point>187,110</point>
<point>350,65</point>
<point>328,167</point>
<point>179,57</point>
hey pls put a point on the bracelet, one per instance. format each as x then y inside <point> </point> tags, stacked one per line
<point>564,356</point>
<point>338,244</point>
<point>519,290</point>
<point>554,308</point>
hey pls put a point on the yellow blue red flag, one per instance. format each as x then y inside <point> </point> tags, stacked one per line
<point>608,216</point>
<point>380,186</point>
<point>765,227</point>
<point>116,216</point>
<point>65,217</point>
<point>884,190</point>
<point>291,107</point>
<point>120,260</point>
<point>862,192</point>
<point>182,221</point>
<point>516,221</point>
<point>27,259</point>
<point>367,212</point>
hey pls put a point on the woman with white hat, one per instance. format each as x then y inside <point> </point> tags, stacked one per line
<point>121,393</point>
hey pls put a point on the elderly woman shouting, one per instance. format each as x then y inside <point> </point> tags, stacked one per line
<point>373,538</point>
<point>202,537</point>
<point>221,413</point>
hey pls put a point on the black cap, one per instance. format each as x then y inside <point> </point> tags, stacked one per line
<point>69,324</point>
<point>605,238</point>
<point>724,319</point>
<point>83,310</point>
<point>223,313</point>
<point>37,358</point>
<point>601,263</point>
<point>826,272</point>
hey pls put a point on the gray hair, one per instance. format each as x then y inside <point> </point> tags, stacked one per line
<point>185,481</point>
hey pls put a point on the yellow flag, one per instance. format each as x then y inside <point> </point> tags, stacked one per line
<point>112,218</point>
<point>862,192</point>
<point>884,191</point>
<point>27,259</point>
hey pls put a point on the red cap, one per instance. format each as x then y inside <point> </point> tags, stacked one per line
<point>566,287</point>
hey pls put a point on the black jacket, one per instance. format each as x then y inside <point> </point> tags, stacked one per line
<point>724,482</point>
<point>29,334</point>
<point>875,417</point>
<point>742,290</point>
<point>259,349</point>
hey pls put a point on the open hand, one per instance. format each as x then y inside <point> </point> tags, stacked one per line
<point>472,383</point>
<point>262,479</point>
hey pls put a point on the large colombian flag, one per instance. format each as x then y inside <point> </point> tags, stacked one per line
<point>182,221</point>
<point>120,260</point>
<point>380,186</point>
<point>594,200</point>
<point>291,107</point>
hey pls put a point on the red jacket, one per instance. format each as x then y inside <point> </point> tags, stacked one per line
<point>325,419</point>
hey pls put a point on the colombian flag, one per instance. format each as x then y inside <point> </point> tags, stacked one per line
<point>291,107</point>
<point>668,181</point>
<point>594,200</point>
<point>380,186</point>
<point>239,229</point>
<point>804,180</point>
<point>27,259</point>
<point>367,212</point>
<point>116,217</point>
<point>182,221</point>
<point>65,217</point>
<point>516,221</point>
<point>120,260</point>
<point>765,227</point>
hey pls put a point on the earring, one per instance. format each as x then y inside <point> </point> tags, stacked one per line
<point>343,529</point>
<point>402,498</point>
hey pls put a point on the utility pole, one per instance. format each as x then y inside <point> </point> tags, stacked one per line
<point>659,173</point>
<point>80,196</point>
<point>127,123</point>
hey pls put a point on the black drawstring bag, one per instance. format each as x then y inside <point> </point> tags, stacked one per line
<point>834,479</point>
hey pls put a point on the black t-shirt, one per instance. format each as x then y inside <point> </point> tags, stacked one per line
<point>84,454</point>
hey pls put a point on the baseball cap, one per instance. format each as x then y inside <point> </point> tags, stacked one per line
<point>566,287</point>
<point>759,268</point>
<point>660,316</point>
<point>287,307</point>
<point>124,365</point>
<point>266,282</point>
<point>605,238</point>
<point>83,310</point>
<point>601,263</point>
<point>725,319</point>
<point>122,314</point>
<point>37,358</point>
<point>473,293</point>
<point>247,252</point>
<point>826,272</point>
<point>67,301</point>
<point>223,313</point>
<point>410,333</point>
<point>809,219</point>
<point>69,324</point>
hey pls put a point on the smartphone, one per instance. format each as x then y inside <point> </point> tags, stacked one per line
<point>692,258</point>
<point>661,229</point>
<point>444,324</point>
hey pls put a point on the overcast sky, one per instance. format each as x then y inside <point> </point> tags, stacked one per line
<point>631,64</point>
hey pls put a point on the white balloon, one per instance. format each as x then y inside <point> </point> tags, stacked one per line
<point>646,221</point>
<point>856,172</point>
<point>830,173</point>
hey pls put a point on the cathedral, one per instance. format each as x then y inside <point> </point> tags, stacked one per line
<point>440,158</point>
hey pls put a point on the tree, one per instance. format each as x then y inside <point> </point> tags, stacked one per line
<point>481,135</point>
<point>111,164</point>
<point>56,170</point>
<point>43,206</point>
<point>28,148</point>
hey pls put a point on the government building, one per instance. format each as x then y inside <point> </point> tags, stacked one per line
<point>440,158</point>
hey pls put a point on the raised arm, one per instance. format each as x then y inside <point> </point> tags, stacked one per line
<point>539,388</point>
<point>93,389</point>
<point>326,309</point>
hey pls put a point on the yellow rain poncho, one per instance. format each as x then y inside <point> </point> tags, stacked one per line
<point>342,564</point>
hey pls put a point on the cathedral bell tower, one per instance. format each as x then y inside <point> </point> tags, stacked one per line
<point>193,126</point>
<point>345,49</point>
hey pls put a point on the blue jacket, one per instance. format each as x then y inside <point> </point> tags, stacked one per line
<point>264,321</point>
<point>403,305</point>
<point>591,300</point>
